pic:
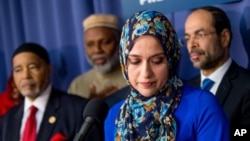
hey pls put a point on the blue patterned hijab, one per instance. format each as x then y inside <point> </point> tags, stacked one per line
<point>149,118</point>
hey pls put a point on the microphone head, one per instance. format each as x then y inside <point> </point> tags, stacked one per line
<point>97,109</point>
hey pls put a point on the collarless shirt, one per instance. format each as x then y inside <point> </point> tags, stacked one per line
<point>217,75</point>
<point>40,103</point>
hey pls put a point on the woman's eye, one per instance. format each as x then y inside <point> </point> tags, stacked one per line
<point>158,61</point>
<point>133,61</point>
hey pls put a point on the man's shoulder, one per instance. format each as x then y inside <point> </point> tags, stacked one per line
<point>195,78</point>
<point>237,71</point>
<point>194,81</point>
<point>87,75</point>
<point>14,111</point>
<point>68,98</point>
<point>244,71</point>
<point>80,80</point>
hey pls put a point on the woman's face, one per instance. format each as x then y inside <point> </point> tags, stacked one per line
<point>147,66</point>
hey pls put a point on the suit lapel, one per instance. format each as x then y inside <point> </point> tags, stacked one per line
<point>50,118</point>
<point>15,125</point>
<point>223,90</point>
<point>226,85</point>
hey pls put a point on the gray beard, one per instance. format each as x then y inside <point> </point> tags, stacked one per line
<point>108,66</point>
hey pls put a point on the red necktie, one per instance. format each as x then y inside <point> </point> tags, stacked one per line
<point>29,133</point>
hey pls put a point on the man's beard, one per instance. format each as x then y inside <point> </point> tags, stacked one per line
<point>35,92</point>
<point>32,93</point>
<point>110,63</point>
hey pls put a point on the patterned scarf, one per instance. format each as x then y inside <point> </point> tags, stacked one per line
<point>149,118</point>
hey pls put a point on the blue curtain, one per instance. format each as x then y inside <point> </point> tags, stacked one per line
<point>57,25</point>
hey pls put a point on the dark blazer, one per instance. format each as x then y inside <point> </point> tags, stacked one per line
<point>117,96</point>
<point>234,95</point>
<point>67,111</point>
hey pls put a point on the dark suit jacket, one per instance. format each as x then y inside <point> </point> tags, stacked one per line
<point>117,96</point>
<point>234,95</point>
<point>67,110</point>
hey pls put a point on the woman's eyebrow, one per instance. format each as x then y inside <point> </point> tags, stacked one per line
<point>137,55</point>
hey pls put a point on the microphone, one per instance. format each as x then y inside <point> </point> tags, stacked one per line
<point>95,112</point>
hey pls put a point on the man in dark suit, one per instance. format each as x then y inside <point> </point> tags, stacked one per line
<point>208,37</point>
<point>58,115</point>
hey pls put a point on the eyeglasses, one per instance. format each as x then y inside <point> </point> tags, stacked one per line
<point>198,37</point>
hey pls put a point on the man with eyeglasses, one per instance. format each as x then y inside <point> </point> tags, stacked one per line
<point>208,37</point>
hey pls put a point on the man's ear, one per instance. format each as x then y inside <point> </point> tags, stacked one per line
<point>225,37</point>
<point>50,69</point>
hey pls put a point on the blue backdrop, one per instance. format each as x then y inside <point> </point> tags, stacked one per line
<point>57,25</point>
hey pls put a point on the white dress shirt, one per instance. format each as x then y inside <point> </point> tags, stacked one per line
<point>40,103</point>
<point>217,75</point>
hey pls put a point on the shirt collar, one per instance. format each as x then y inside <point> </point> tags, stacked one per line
<point>40,102</point>
<point>218,74</point>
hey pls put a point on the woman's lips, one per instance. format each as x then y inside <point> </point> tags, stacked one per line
<point>146,84</point>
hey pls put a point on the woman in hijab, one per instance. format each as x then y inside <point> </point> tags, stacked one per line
<point>160,107</point>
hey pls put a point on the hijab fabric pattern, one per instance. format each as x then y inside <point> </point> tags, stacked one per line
<point>149,118</point>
